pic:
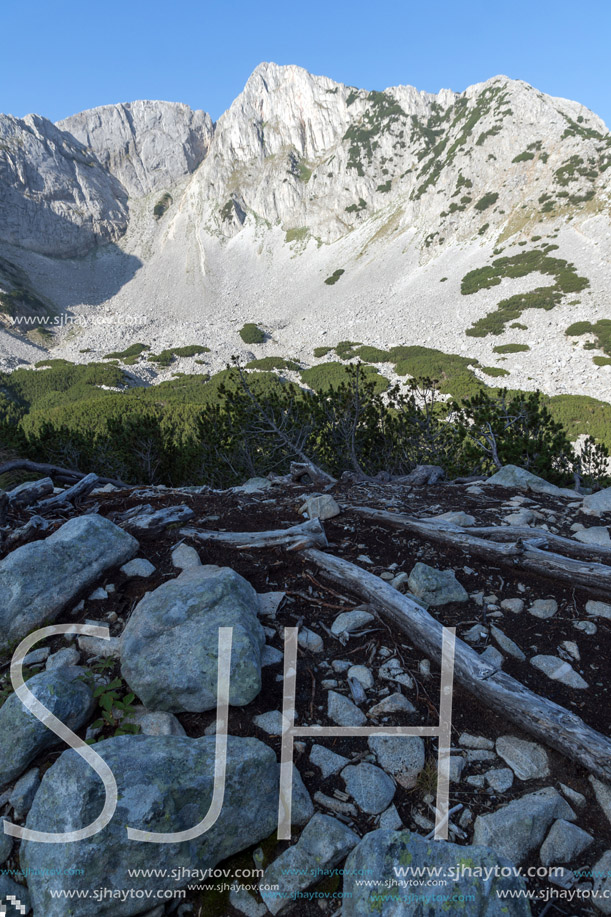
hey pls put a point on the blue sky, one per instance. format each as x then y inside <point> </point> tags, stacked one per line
<point>58,58</point>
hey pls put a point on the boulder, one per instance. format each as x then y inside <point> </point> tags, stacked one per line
<point>165,784</point>
<point>369,786</point>
<point>601,887</point>
<point>527,760</point>
<point>323,844</point>
<point>39,579</point>
<point>519,827</point>
<point>596,535</point>
<point>65,693</point>
<point>598,503</point>
<point>514,477</point>
<point>564,843</point>
<point>400,756</point>
<point>435,587</point>
<point>382,852</point>
<point>320,507</point>
<point>169,648</point>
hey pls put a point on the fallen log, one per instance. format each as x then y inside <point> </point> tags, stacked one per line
<point>548,721</point>
<point>294,538</point>
<point>65,475</point>
<point>80,489</point>
<point>30,492</point>
<point>566,546</point>
<point>299,470</point>
<point>153,523</point>
<point>519,555</point>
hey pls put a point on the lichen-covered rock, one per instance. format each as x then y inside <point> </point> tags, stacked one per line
<point>381,852</point>
<point>435,587</point>
<point>165,784</point>
<point>38,579</point>
<point>65,693</point>
<point>169,648</point>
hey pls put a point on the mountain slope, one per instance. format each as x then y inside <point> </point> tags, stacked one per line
<point>324,212</point>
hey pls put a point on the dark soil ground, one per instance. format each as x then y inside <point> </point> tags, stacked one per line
<point>312,601</point>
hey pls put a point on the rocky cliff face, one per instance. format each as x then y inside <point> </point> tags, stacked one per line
<point>148,146</point>
<point>304,182</point>
<point>56,198</point>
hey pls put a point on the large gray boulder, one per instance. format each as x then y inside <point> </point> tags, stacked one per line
<point>382,852</point>
<point>516,829</point>
<point>165,784</point>
<point>39,579</point>
<point>169,648</point>
<point>515,477</point>
<point>65,693</point>
<point>599,502</point>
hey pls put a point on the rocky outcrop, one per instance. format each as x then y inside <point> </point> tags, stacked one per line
<point>165,784</point>
<point>169,649</point>
<point>39,579</point>
<point>56,198</point>
<point>148,146</point>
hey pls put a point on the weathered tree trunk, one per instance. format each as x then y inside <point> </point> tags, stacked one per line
<point>294,538</point>
<point>80,489</point>
<point>153,523</point>
<point>65,475</point>
<point>519,555</point>
<point>538,716</point>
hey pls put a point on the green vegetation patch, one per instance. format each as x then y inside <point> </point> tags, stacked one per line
<point>270,363</point>
<point>523,157</point>
<point>252,334</point>
<point>600,329</point>
<point>489,198</point>
<point>166,357</point>
<point>538,260</point>
<point>494,371</point>
<point>162,206</point>
<point>332,375</point>
<point>381,114</point>
<point>335,276</point>
<point>511,348</point>
<point>134,350</point>
<point>322,351</point>
<point>298,234</point>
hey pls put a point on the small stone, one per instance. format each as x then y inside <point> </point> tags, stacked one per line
<point>328,761</point>
<point>559,670</point>
<point>243,901</point>
<point>310,641</point>
<point>342,711</point>
<point>476,780</point>
<point>320,507</point>
<point>527,760</point>
<point>22,795</point>
<point>597,535</point>
<point>493,657</point>
<point>156,723</point>
<point>543,608</point>
<point>36,657</point>
<point>394,703</point>
<point>392,670</point>
<point>69,655</point>
<point>350,621</point>
<point>475,634</point>
<point>521,517</point>
<point>499,778</point>
<point>369,786</point>
<point>184,556</point>
<point>576,799</point>
<point>400,580</point>
<point>270,722</point>
<point>586,627</point>
<point>362,674</point>
<point>390,820</point>
<point>387,576</point>
<point>602,791</point>
<point>506,644</point>
<point>98,595</point>
<point>270,602</point>
<point>139,566</point>
<point>470,741</point>
<point>270,656</point>
<point>400,756</point>
<point>564,843</point>
<point>340,665</point>
<point>479,754</point>
<point>457,764</point>
<point>424,667</point>
<point>571,649</point>
<point>97,646</point>
<point>515,606</point>
<point>598,609</point>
